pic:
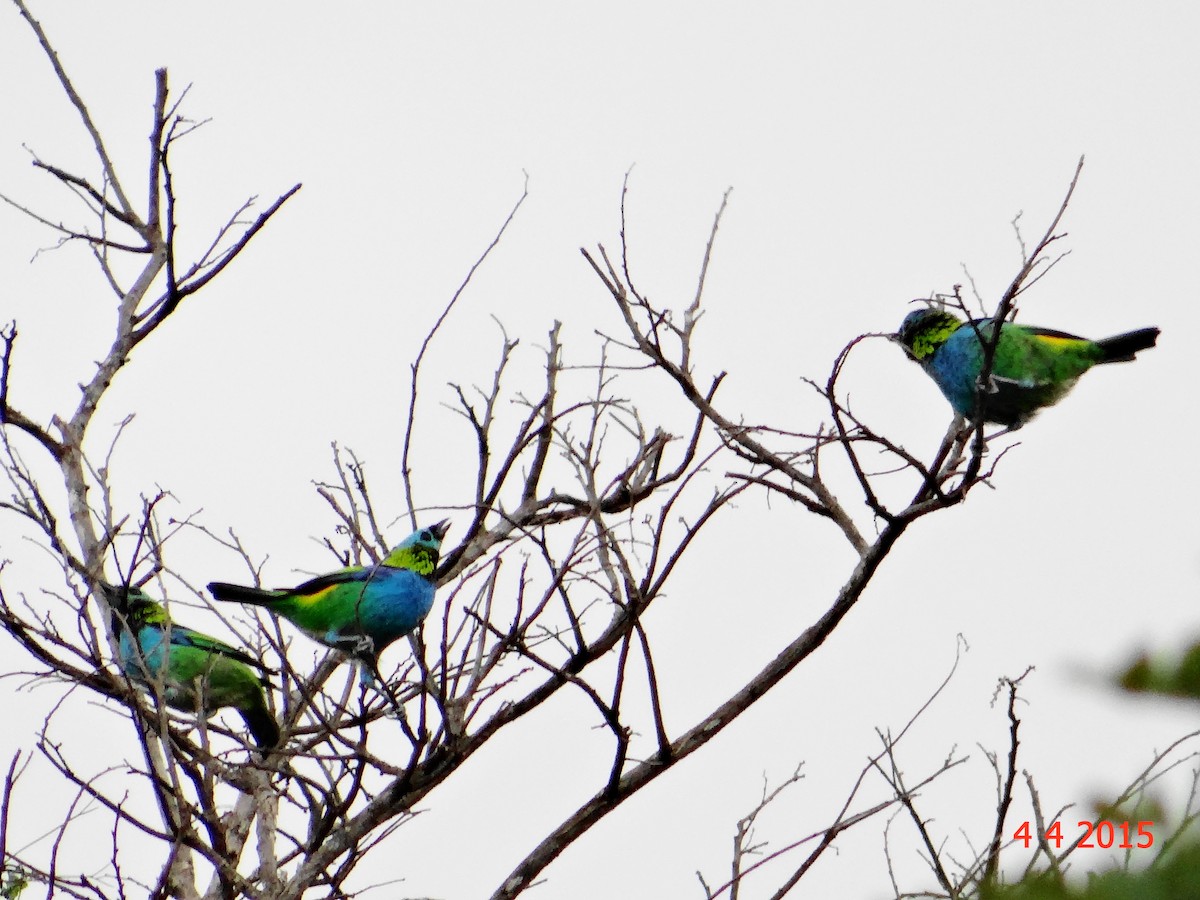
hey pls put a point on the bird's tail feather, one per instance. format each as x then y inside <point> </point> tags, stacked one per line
<point>263,727</point>
<point>1123,347</point>
<point>236,593</point>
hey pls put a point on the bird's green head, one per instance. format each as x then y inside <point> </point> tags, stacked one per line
<point>924,330</point>
<point>145,611</point>
<point>136,606</point>
<point>420,551</point>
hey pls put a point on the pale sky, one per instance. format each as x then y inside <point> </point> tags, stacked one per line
<point>874,151</point>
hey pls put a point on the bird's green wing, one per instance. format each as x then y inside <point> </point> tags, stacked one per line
<point>1042,357</point>
<point>322,583</point>
<point>1051,334</point>
<point>186,637</point>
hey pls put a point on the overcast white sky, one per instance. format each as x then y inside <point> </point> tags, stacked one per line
<point>874,150</point>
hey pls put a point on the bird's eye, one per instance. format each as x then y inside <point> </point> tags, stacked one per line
<point>426,536</point>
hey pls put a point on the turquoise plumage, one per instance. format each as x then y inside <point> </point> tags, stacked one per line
<point>359,610</point>
<point>189,670</point>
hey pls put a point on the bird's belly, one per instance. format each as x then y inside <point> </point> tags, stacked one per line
<point>388,610</point>
<point>151,667</point>
<point>1011,397</point>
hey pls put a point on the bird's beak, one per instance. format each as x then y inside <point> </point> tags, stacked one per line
<point>439,530</point>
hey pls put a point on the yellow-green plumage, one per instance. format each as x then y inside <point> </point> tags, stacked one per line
<point>189,670</point>
<point>1032,367</point>
<point>362,609</point>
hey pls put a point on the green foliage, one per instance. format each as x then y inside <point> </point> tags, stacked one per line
<point>1165,675</point>
<point>12,883</point>
<point>1175,875</point>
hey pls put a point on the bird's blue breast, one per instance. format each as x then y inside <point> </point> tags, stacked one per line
<point>395,602</point>
<point>149,659</point>
<point>956,366</point>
